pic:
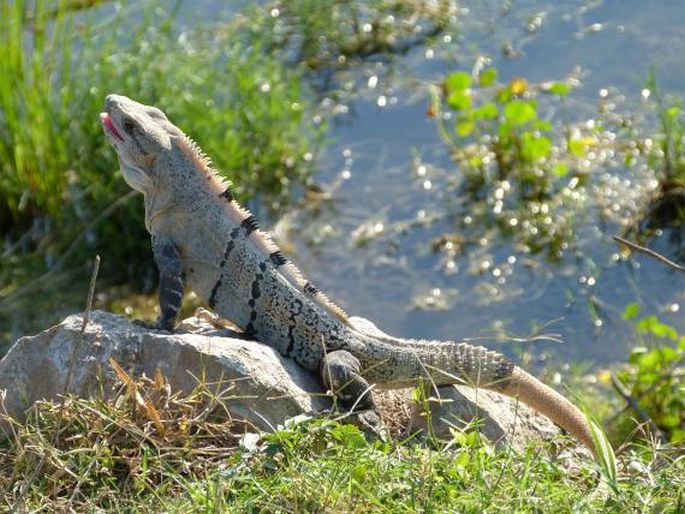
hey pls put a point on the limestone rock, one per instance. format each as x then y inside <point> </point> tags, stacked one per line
<point>266,389</point>
<point>501,419</point>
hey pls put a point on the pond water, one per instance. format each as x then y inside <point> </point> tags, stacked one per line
<point>392,190</point>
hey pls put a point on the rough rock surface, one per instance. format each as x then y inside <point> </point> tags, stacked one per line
<point>266,388</point>
<point>501,419</point>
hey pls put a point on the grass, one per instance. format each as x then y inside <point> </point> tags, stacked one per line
<point>62,194</point>
<point>172,453</point>
<point>669,157</point>
<point>140,446</point>
<point>242,95</point>
<point>666,155</point>
<point>240,86</point>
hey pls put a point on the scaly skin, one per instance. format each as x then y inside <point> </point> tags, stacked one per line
<point>201,236</point>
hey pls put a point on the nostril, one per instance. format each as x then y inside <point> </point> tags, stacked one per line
<point>111,99</point>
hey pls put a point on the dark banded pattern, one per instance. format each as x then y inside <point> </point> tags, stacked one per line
<point>227,194</point>
<point>249,224</point>
<point>230,245</point>
<point>310,289</point>
<point>255,293</point>
<point>295,312</point>
<point>277,258</point>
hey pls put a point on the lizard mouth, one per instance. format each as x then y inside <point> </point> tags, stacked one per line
<point>109,127</point>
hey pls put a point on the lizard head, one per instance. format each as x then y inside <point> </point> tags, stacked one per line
<point>139,134</point>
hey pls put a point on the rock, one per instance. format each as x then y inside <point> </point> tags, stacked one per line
<point>501,419</point>
<point>266,389</point>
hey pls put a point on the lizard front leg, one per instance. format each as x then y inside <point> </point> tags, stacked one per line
<point>168,262</point>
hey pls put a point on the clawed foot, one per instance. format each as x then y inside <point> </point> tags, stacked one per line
<point>215,320</point>
<point>369,422</point>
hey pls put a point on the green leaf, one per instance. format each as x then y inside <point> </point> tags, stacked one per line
<point>576,147</point>
<point>560,89</point>
<point>488,77</point>
<point>561,169</point>
<point>669,354</point>
<point>543,125</point>
<point>349,435</point>
<point>534,148</point>
<point>631,311</point>
<point>605,456</point>
<point>504,95</point>
<point>460,101</point>
<point>665,331</point>
<point>519,112</point>
<point>359,473</point>
<point>487,111</point>
<point>652,325</point>
<point>644,326</point>
<point>464,127</point>
<point>458,81</point>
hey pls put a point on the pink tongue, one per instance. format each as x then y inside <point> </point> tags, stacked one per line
<point>109,126</point>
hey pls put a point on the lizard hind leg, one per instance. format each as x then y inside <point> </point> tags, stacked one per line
<point>340,373</point>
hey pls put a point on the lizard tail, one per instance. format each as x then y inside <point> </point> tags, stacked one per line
<point>547,401</point>
<point>400,362</point>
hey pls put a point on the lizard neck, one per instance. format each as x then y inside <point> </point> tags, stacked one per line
<point>156,206</point>
<point>182,178</point>
<point>162,197</point>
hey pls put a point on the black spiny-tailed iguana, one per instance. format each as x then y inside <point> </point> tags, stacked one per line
<point>202,236</point>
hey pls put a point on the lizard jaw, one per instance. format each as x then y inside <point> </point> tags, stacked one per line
<point>108,126</point>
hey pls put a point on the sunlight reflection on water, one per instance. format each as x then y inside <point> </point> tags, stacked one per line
<point>393,205</point>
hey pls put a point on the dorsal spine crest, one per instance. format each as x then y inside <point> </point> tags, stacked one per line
<point>262,240</point>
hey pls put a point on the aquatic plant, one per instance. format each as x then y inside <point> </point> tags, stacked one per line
<point>518,168</point>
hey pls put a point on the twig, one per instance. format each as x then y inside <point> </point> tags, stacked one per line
<point>86,318</point>
<point>39,468</point>
<point>651,253</point>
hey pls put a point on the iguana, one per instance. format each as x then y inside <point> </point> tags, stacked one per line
<point>203,237</point>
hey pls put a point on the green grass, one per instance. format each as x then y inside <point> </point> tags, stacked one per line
<point>668,157</point>
<point>250,112</point>
<point>116,455</point>
<point>63,199</point>
<point>240,86</point>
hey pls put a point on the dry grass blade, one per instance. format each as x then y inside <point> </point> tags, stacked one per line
<point>108,453</point>
<point>145,403</point>
<point>127,380</point>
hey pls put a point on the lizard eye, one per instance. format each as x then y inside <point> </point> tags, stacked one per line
<point>128,125</point>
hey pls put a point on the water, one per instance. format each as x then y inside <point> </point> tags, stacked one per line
<point>392,188</point>
<point>369,247</point>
